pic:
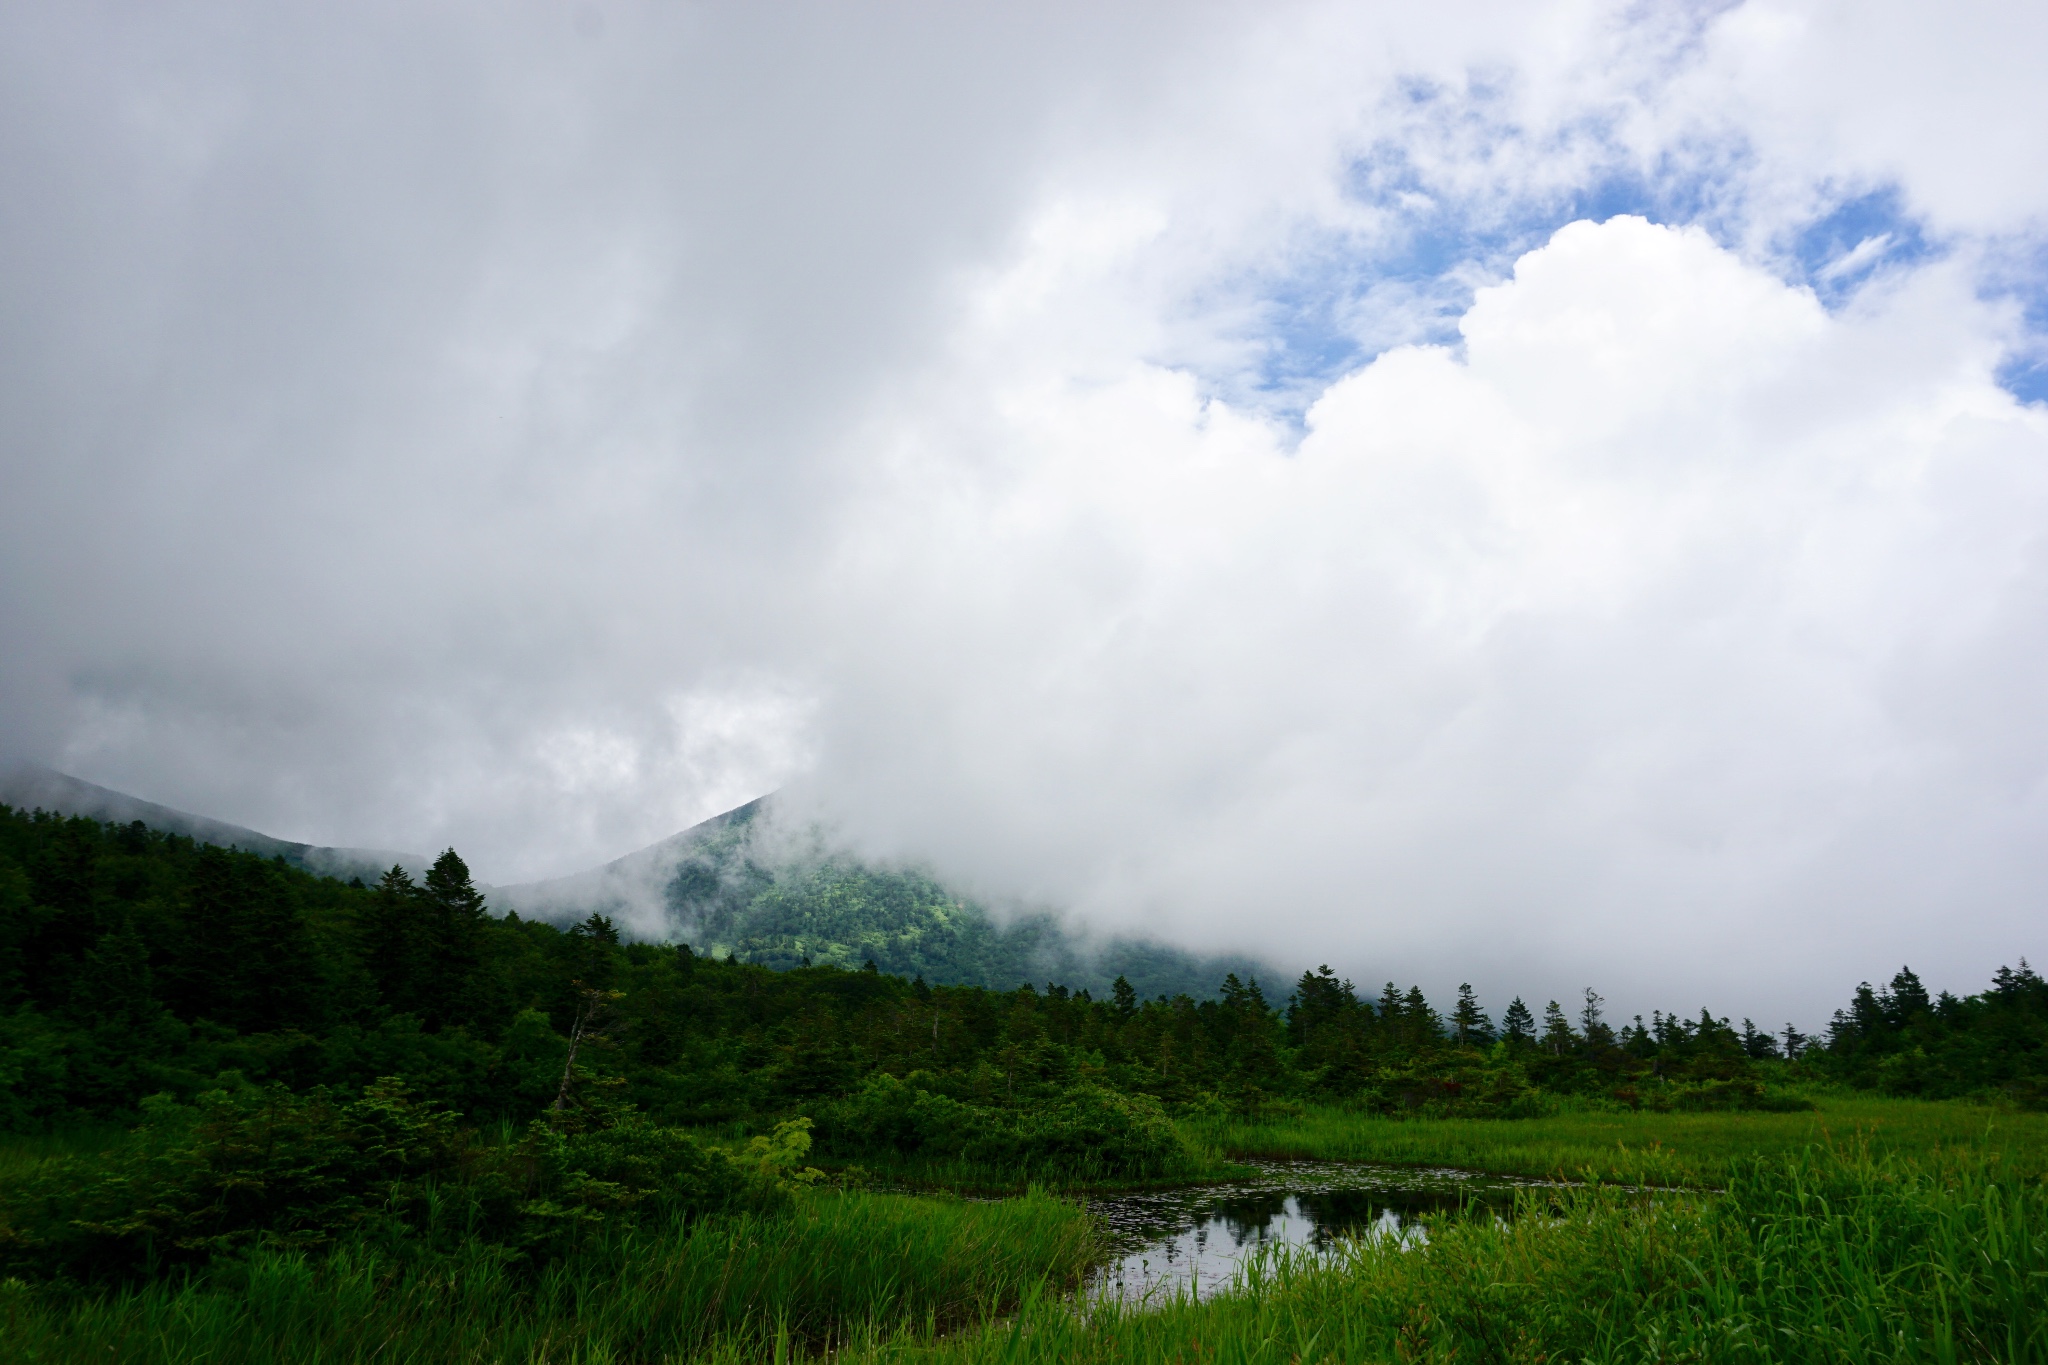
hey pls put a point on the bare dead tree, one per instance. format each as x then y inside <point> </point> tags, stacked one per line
<point>591,1011</point>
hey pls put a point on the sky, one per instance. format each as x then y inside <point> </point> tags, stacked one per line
<point>1539,494</point>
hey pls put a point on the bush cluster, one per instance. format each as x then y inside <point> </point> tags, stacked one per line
<point>1088,1133</point>
<point>249,1167</point>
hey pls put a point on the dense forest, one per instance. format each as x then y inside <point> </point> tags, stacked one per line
<point>134,963</point>
<point>744,885</point>
<point>289,1064</point>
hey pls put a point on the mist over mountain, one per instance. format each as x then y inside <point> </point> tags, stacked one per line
<point>752,885</point>
<point>744,884</point>
<point>29,786</point>
<point>1546,495</point>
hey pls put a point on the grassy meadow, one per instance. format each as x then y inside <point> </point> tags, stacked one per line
<point>284,1118</point>
<point>1832,1256</point>
<point>840,1267</point>
<point>1868,1230</point>
<point>1641,1147</point>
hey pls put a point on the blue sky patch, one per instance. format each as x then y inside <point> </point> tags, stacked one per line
<point>2019,275</point>
<point>1839,252</point>
<point>2025,377</point>
<point>1344,299</point>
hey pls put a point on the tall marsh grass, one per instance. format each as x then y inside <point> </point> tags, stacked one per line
<point>1840,1253</point>
<point>1828,1256</point>
<point>1646,1147</point>
<point>1201,1165</point>
<point>843,1266</point>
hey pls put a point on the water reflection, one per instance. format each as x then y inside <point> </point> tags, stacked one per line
<point>1196,1239</point>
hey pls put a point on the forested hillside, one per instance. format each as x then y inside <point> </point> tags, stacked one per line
<point>786,900</point>
<point>134,963</point>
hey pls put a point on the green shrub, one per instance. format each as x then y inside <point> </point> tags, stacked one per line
<point>253,1167</point>
<point>612,1163</point>
<point>246,1167</point>
<point>1451,1090</point>
<point>1088,1133</point>
<point>890,1116</point>
<point>1738,1093</point>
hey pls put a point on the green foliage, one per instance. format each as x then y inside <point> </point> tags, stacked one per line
<point>254,1167</point>
<point>1088,1134</point>
<point>246,1167</point>
<point>1092,1134</point>
<point>1579,1140</point>
<point>1826,1256</point>
<point>778,1156</point>
<point>145,964</point>
<point>612,1163</point>
<point>1900,1041</point>
<point>735,899</point>
<point>382,1122</point>
<point>833,1269</point>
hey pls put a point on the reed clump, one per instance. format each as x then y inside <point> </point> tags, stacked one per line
<point>1833,1255</point>
<point>1616,1145</point>
<point>839,1267</point>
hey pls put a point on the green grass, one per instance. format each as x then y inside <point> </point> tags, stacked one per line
<point>1826,1256</point>
<point>1911,1232</point>
<point>20,1152</point>
<point>842,1267</point>
<point>1645,1147</point>
<point>914,1174</point>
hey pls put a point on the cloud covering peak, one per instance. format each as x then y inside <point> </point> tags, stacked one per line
<point>1544,501</point>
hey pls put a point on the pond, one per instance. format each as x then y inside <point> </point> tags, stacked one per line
<point>1195,1238</point>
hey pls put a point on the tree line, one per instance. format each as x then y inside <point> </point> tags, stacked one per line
<point>135,963</point>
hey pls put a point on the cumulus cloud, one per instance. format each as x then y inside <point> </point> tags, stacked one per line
<point>1524,497</point>
<point>1621,639</point>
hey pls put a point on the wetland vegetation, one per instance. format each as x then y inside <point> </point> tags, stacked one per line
<point>258,1115</point>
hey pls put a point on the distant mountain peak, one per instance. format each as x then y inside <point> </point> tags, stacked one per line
<point>30,786</point>
<point>745,885</point>
<point>741,884</point>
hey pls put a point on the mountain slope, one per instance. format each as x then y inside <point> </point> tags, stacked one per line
<point>739,885</point>
<point>30,787</point>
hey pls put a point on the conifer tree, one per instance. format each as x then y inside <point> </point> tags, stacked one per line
<point>1469,1023</point>
<point>393,933</point>
<point>1320,1000</point>
<point>1591,1026</point>
<point>115,979</point>
<point>1517,1025</point>
<point>242,958</point>
<point>1756,1044</point>
<point>1391,1013</point>
<point>1421,1025</point>
<point>453,917</point>
<point>1558,1037</point>
<point>1905,999</point>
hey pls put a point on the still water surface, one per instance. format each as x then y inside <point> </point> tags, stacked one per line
<point>1170,1241</point>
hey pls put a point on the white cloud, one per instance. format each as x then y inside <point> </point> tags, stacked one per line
<point>420,429</point>
<point>1585,638</point>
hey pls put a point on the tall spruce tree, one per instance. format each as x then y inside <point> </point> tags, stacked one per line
<point>1517,1025</point>
<point>1469,1023</point>
<point>242,956</point>
<point>1320,1001</point>
<point>454,922</point>
<point>1905,999</point>
<point>1592,1027</point>
<point>393,940</point>
<point>1558,1038</point>
<point>1421,1025</point>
